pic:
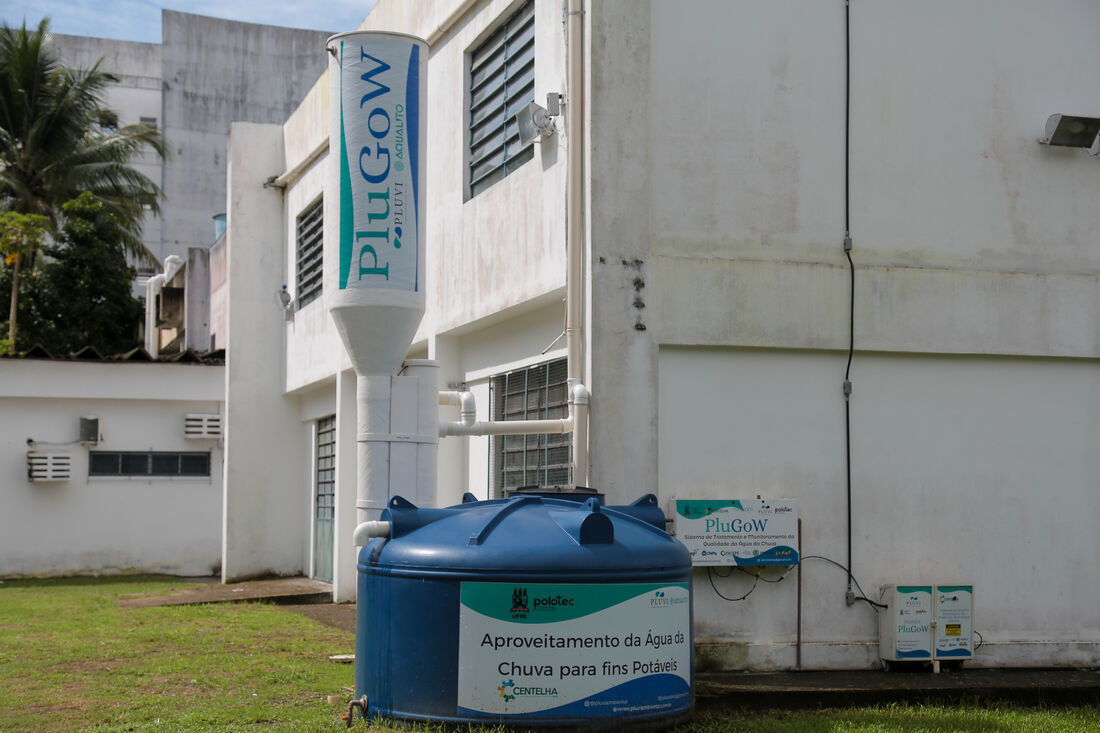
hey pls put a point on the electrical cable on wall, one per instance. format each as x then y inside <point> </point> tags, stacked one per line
<point>757,577</point>
<point>862,596</point>
<point>849,597</point>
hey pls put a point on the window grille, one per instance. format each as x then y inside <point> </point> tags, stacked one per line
<point>149,463</point>
<point>540,392</point>
<point>502,80</point>
<point>308,254</point>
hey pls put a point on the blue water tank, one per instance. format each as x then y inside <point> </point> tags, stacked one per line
<point>529,611</point>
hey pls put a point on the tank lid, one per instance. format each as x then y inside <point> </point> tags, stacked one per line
<point>530,534</point>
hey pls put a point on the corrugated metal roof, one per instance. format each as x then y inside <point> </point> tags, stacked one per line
<point>90,353</point>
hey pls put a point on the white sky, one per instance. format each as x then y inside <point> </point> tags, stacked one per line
<point>139,20</point>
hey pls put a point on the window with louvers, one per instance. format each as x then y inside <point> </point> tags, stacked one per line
<point>539,392</point>
<point>502,81</point>
<point>309,265</point>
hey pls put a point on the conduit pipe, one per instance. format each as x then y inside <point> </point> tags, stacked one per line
<point>464,401</point>
<point>366,531</point>
<point>577,422</point>
<point>574,239</point>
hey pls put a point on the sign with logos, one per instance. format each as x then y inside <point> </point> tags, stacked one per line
<point>954,630</point>
<point>574,649</point>
<point>738,531</point>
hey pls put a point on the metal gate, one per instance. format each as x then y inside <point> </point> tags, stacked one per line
<point>325,504</point>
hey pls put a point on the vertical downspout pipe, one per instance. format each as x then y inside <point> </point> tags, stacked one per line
<point>575,215</point>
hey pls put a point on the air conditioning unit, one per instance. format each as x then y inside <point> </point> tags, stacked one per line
<point>43,466</point>
<point>202,425</point>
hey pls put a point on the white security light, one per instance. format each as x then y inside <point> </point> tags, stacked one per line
<point>1071,131</point>
<point>537,122</point>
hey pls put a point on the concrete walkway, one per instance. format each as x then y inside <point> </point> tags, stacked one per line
<point>300,590</point>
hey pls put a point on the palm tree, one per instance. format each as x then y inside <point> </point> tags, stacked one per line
<point>57,139</point>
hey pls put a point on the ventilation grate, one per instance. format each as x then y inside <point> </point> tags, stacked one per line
<point>49,466</point>
<point>202,425</point>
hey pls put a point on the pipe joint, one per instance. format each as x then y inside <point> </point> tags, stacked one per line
<point>368,530</point>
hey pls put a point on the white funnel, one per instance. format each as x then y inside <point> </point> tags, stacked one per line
<point>374,265</point>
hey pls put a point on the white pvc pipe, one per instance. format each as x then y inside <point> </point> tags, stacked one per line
<point>575,215</point>
<point>365,531</point>
<point>464,401</point>
<point>372,395</point>
<point>507,427</point>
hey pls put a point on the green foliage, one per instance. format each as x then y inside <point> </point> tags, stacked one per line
<point>57,139</point>
<point>80,295</point>
<point>21,234</point>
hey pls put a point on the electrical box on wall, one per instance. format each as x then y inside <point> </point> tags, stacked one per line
<point>905,627</point>
<point>737,531</point>
<point>954,620</point>
<point>926,623</point>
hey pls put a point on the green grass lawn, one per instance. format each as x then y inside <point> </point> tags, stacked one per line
<point>72,660</point>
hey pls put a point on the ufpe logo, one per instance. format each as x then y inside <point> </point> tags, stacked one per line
<point>519,603</point>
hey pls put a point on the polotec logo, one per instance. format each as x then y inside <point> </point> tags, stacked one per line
<point>519,603</point>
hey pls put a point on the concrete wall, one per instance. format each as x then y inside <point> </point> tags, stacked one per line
<point>215,72</point>
<point>722,210</point>
<point>718,294</point>
<point>136,96</point>
<point>267,490</point>
<point>99,524</point>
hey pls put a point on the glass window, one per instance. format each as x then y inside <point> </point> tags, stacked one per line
<point>537,393</point>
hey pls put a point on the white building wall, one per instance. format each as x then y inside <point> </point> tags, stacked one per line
<point>718,292</point>
<point>976,282</point>
<point>98,524</point>
<point>267,490</point>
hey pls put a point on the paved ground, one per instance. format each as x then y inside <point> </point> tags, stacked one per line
<point>291,589</point>
<point>729,689</point>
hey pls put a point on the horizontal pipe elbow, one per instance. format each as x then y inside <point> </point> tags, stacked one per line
<point>369,530</point>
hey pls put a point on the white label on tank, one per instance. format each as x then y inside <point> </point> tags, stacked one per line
<point>574,650</point>
<point>379,153</point>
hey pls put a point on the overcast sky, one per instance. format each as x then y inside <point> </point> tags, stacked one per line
<point>139,20</point>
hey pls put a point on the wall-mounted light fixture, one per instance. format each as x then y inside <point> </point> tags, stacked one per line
<point>286,301</point>
<point>537,122</point>
<point>1072,131</point>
